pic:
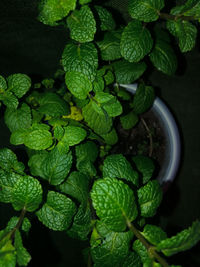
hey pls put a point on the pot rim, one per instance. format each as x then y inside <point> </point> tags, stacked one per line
<point>171,163</point>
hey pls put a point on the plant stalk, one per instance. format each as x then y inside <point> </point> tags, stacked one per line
<point>19,223</point>
<point>11,234</point>
<point>149,248</point>
<point>175,17</point>
<point>89,263</point>
<point>149,136</point>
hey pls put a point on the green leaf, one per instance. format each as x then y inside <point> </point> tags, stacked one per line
<point>107,22</point>
<point>48,83</point>
<point>83,2</point>
<point>36,116</point>
<point>149,198</point>
<point>82,224</point>
<point>113,249</point>
<point>19,84</point>
<point>186,33</point>
<point>35,163</point>
<point>26,225</point>
<point>82,25</point>
<point>81,58</point>
<point>86,155</point>
<point>193,9</point>
<point>58,211</point>
<point>87,167</point>
<point>63,146</point>
<point>59,132</point>
<point>38,139</point>
<point>98,84</point>
<point>114,203</point>
<point>136,41</point>
<point>129,120</point>
<point>132,260</point>
<point>87,150</point>
<point>98,108</point>
<point>17,137</point>
<point>145,166</point>
<point>4,238</point>
<point>104,77</point>
<point>127,72</point>
<point>7,183</point>
<point>53,105</point>
<point>140,249</point>
<point>7,255</point>
<point>182,241</point>
<point>19,118</point>
<point>101,230</point>
<point>9,99</point>
<point>54,10</point>
<point>187,9</point>
<point>73,135</point>
<point>110,46</point>
<point>153,234</point>
<point>163,57</point>
<point>80,103</point>
<point>78,84</point>
<point>77,186</point>
<point>101,123</point>
<point>56,166</point>
<point>40,126</point>
<point>143,98</point>
<point>9,162</point>
<point>109,103</point>
<point>156,264</point>
<point>11,224</point>
<point>52,166</point>
<point>3,84</point>
<point>109,77</point>
<point>27,193</point>
<point>23,257</point>
<point>145,10</point>
<point>110,138</point>
<point>123,93</point>
<point>117,166</point>
<point>59,123</point>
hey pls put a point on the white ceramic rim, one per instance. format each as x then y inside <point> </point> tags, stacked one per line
<point>173,145</point>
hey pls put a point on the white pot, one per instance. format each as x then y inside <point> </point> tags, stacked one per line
<point>171,161</point>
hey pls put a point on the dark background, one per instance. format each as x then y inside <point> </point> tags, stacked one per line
<point>27,46</point>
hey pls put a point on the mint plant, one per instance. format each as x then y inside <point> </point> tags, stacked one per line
<point>67,125</point>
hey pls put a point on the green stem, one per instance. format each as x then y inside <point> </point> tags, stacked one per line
<point>19,223</point>
<point>138,235</point>
<point>175,17</point>
<point>149,248</point>
<point>149,136</point>
<point>11,234</point>
<point>89,264</point>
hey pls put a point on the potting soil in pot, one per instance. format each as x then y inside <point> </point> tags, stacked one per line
<point>136,141</point>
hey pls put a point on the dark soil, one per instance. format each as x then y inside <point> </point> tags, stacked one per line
<point>136,140</point>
